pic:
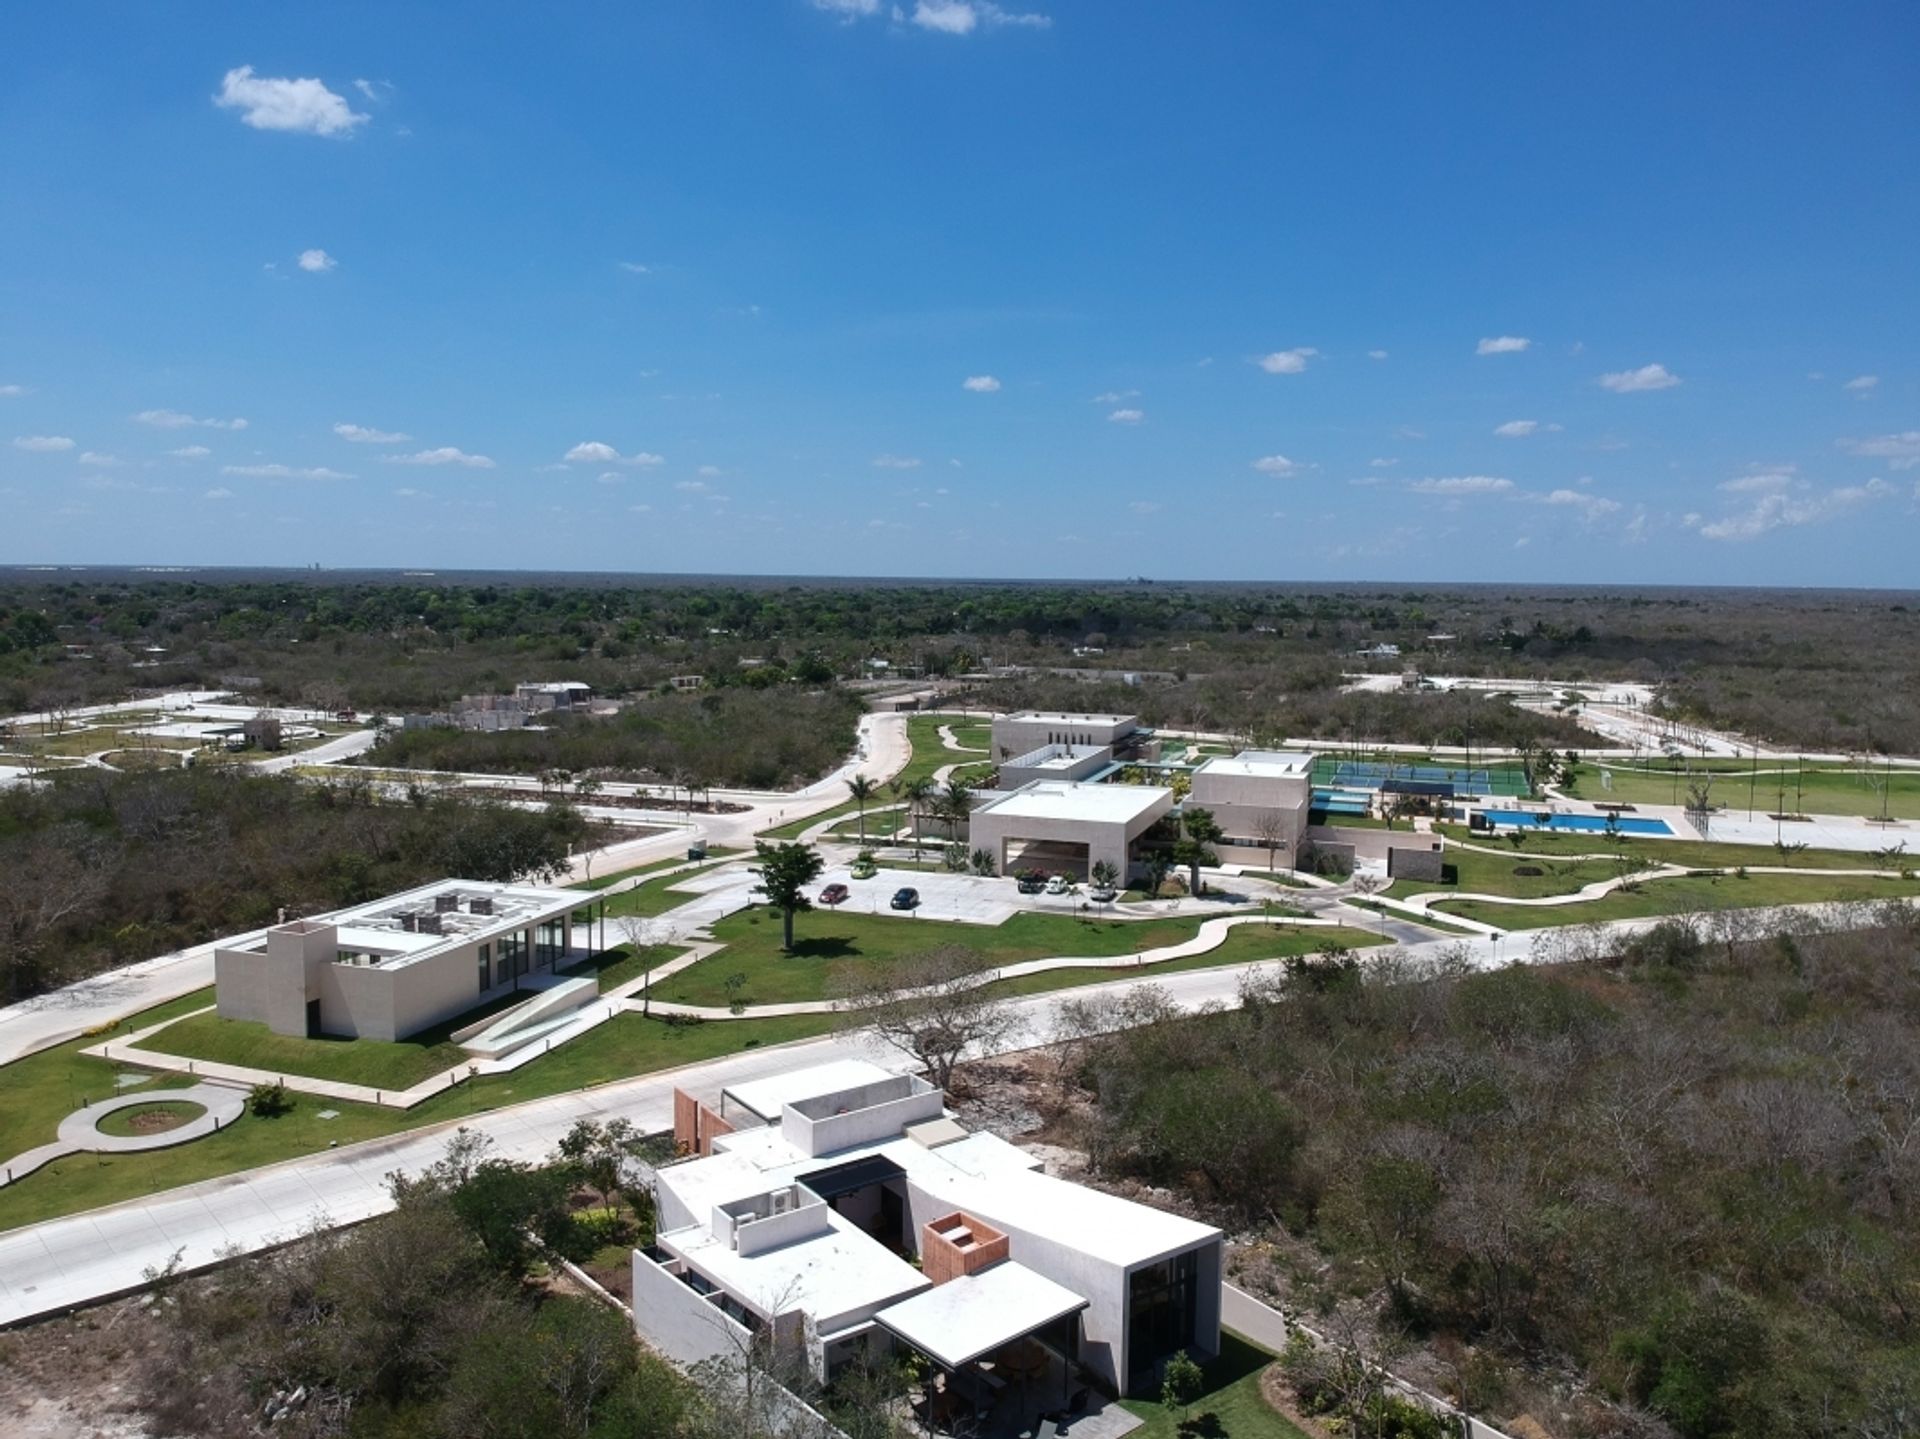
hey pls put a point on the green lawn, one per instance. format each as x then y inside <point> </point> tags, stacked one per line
<point>614,967</point>
<point>1232,1396</point>
<point>1468,871</point>
<point>376,1063</point>
<point>1694,853</point>
<point>849,946</point>
<point>929,755</point>
<point>1689,894</point>
<point>1819,789</point>
<point>124,1121</point>
<point>654,896</point>
<point>1244,944</point>
<point>607,881</point>
<point>37,1092</point>
<point>33,1099</point>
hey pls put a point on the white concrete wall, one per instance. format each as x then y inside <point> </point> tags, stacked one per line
<point>1020,736</point>
<point>679,1323</point>
<point>866,1120</point>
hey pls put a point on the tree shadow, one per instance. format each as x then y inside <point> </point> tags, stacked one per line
<point>824,946</point>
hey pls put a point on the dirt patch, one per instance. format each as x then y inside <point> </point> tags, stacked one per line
<point>154,1118</point>
<point>71,1378</point>
<point>1279,1396</point>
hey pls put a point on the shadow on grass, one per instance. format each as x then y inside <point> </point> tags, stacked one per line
<point>824,946</point>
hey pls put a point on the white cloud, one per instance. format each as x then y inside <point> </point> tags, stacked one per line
<point>692,487</point>
<point>1762,481</point>
<point>305,107</point>
<point>1901,451</point>
<point>1461,485</point>
<point>639,509</point>
<point>190,452</point>
<point>592,451</point>
<point>980,384</point>
<point>1516,429</point>
<point>317,262</point>
<point>1376,354</point>
<point>444,455</point>
<point>711,472</point>
<point>1502,345</point>
<point>1591,506</point>
<point>363,435</point>
<point>42,444</point>
<point>1143,507</point>
<point>1115,397</point>
<point>98,460</point>
<point>12,392</point>
<point>1286,362</point>
<point>961,17</point>
<point>1278,465</point>
<point>634,267</point>
<point>896,462</point>
<point>611,477</point>
<point>218,494</point>
<point>848,9</point>
<point>283,472</point>
<point>1384,462</point>
<point>1861,383</point>
<point>174,420</point>
<point>1647,377</point>
<point>1126,417</point>
<point>1781,509</point>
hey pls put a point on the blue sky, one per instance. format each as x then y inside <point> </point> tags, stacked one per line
<point>1078,288</point>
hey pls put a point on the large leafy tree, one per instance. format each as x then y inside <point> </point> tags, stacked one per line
<point>785,871</point>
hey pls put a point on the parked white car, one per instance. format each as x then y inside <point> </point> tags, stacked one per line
<point>1058,885</point>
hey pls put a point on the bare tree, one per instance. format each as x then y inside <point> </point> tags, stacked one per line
<point>1271,827</point>
<point>48,882</point>
<point>637,932</point>
<point>936,1007</point>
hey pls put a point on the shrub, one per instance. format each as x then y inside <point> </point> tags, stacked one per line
<point>269,1101</point>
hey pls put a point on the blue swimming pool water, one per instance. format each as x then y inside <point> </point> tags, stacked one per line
<point>1585,823</point>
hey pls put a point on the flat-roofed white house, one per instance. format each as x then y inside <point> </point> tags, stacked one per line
<point>399,965</point>
<point>811,1192</point>
<point>1248,790</point>
<point>1029,730</point>
<point>1065,826</point>
<point>1056,761</point>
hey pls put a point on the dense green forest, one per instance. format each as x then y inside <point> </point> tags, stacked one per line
<point>1687,1172</point>
<point>1818,669</point>
<point>744,738</point>
<point>104,868</point>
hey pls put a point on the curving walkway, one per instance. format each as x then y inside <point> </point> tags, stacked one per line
<point>1211,934</point>
<point>79,1132</point>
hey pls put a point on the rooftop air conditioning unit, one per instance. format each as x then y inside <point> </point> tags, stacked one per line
<point>409,921</point>
<point>481,904</point>
<point>445,903</point>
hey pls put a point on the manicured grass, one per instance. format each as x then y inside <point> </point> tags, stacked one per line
<point>1696,854</point>
<point>37,1092</point>
<point>126,1121</point>
<point>832,948</point>
<point>974,736</point>
<point>929,755</point>
<point>1689,894</point>
<point>1244,944</point>
<point>607,881</point>
<point>1468,871</point>
<point>1232,1396</point>
<point>614,967</point>
<point>1819,789</point>
<point>655,896</point>
<point>621,1048</point>
<point>1430,921</point>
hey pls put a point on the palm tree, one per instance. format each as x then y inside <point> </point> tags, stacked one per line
<point>956,802</point>
<point>916,792</point>
<point>862,789</point>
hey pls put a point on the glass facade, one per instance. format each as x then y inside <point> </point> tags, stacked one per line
<point>486,968</point>
<point>513,955</point>
<point>1162,1304</point>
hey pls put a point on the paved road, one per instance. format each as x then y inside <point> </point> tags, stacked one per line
<point>87,1257</point>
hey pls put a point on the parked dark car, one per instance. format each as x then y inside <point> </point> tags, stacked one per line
<point>905,899</point>
<point>834,894</point>
<point>1033,882</point>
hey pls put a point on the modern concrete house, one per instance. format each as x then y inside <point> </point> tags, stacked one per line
<point>1250,790</point>
<point>1056,761</point>
<point>391,968</point>
<point>799,1219</point>
<point>1029,730</point>
<point>1066,827</point>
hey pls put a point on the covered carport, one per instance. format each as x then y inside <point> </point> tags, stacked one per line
<point>1074,825</point>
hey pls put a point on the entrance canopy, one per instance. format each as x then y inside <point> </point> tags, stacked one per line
<point>967,1318</point>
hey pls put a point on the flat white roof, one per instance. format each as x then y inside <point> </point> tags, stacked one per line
<point>959,1321</point>
<point>1069,800</point>
<point>767,1097</point>
<point>843,1271</point>
<point>1261,764</point>
<point>1061,717</point>
<point>377,926</point>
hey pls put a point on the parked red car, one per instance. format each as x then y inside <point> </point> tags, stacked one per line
<point>834,894</point>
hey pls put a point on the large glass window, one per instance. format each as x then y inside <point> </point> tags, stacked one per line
<point>486,968</point>
<point>551,943</point>
<point>1162,1304</point>
<point>513,955</point>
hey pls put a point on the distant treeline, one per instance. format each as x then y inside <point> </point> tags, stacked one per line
<point>103,868</point>
<point>1826,669</point>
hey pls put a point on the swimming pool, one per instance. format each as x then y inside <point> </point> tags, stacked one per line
<point>1579,823</point>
